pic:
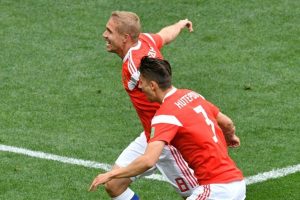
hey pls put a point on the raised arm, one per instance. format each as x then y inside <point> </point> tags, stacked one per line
<point>138,166</point>
<point>228,129</point>
<point>169,33</point>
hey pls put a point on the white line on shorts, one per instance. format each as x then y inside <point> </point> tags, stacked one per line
<point>273,174</point>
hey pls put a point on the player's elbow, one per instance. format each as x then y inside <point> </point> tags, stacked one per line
<point>149,162</point>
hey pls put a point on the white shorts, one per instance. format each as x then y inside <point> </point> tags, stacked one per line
<point>170,164</point>
<point>230,191</point>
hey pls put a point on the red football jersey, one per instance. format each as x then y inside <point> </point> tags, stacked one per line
<point>148,45</point>
<point>188,122</point>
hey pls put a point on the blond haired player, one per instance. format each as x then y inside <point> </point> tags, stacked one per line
<point>123,37</point>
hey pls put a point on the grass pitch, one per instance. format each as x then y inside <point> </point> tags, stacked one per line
<point>61,92</point>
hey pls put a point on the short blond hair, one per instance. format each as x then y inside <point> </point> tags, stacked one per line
<point>128,23</point>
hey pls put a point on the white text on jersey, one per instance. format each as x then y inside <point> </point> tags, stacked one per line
<point>187,98</point>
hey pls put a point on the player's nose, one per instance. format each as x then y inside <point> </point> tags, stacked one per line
<point>104,34</point>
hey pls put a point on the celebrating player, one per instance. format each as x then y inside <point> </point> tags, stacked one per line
<point>195,127</point>
<point>123,37</point>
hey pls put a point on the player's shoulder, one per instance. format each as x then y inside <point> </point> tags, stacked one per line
<point>166,115</point>
<point>152,39</point>
<point>147,37</point>
<point>182,93</point>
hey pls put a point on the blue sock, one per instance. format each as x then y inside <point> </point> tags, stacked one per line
<point>135,197</point>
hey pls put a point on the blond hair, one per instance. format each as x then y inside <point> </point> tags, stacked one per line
<point>128,23</point>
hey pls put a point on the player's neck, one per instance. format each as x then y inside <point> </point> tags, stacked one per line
<point>126,48</point>
<point>162,94</point>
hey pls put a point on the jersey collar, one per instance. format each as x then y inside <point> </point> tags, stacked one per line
<point>136,47</point>
<point>172,91</point>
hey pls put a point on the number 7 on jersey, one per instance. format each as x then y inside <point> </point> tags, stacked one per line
<point>200,109</point>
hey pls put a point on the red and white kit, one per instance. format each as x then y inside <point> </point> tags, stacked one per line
<point>188,122</point>
<point>171,163</point>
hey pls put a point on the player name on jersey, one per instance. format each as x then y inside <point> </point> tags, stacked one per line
<point>187,98</point>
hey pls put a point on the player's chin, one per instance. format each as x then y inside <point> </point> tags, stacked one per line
<point>150,99</point>
<point>109,48</point>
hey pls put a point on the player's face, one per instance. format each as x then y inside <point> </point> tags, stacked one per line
<point>147,87</point>
<point>114,40</point>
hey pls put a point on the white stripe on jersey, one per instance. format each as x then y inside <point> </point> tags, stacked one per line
<point>134,73</point>
<point>186,171</point>
<point>131,66</point>
<point>172,91</point>
<point>165,119</point>
<point>150,37</point>
<point>132,48</point>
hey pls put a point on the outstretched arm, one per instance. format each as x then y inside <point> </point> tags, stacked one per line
<point>138,166</point>
<point>169,33</point>
<point>228,129</point>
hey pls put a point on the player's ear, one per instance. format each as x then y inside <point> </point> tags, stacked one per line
<point>153,85</point>
<point>126,37</point>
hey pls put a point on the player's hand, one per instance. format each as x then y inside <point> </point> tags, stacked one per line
<point>233,141</point>
<point>187,23</point>
<point>100,179</point>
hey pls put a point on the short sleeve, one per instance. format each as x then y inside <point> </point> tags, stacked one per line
<point>158,40</point>
<point>163,132</point>
<point>214,109</point>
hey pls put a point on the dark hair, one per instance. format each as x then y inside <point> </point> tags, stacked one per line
<point>158,70</point>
